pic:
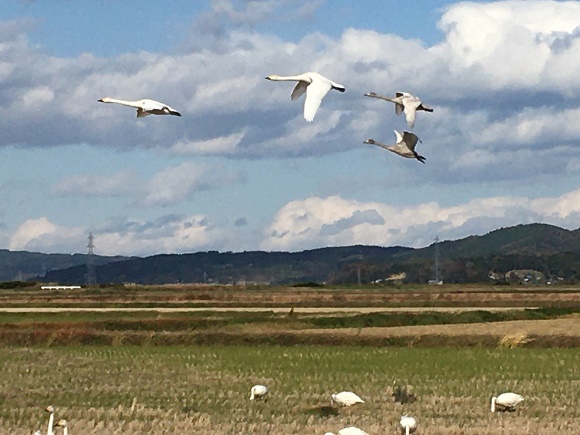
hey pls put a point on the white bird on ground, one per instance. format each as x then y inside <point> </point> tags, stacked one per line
<point>345,398</point>
<point>315,86</point>
<point>64,425</point>
<point>49,431</point>
<point>404,147</point>
<point>258,392</point>
<point>404,102</point>
<point>349,431</point>
<point>144,107</point>
<point>408,424</point>
<point>506,402</point>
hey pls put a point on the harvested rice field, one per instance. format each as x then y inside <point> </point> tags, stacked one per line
<point>205,389</point>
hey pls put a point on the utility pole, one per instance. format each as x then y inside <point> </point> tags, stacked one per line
<point>437,279</point>
<point>91,274</point>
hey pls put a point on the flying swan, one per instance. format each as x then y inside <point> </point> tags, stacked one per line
<point>408,425</point>
<point>315,86</point>
<point>404,102</point>
<point>258,392</point>
<point>345,398</point>
<point>506,402</point>
<point>404,147</point>
<point>349,431</point>
<point>144,107</point>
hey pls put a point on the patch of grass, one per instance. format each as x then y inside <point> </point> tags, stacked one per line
<point>205,389</point>
<point>438,318</point>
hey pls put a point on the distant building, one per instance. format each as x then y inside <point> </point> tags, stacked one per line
<point>396,278</point>
<point>59,287</point>
<point>525,276</point>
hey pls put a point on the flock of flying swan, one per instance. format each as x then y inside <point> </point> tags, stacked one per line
<point>315,86</point>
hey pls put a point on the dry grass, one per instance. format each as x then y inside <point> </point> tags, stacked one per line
<point>366,296</point>
<point>136,390</point>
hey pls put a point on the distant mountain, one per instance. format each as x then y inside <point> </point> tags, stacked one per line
<point>23,265</point>
<point>547,248</point>
<point>252,266</point>
<point>530,239</point>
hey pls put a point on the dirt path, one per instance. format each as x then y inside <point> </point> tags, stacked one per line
<point>297,310</point>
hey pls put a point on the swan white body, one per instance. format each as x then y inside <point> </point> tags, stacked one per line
<point>506,402</point>
<point>258,392</point>
<point>404,102</point>
<point>314,85</point>
<point>345,398</point>
<point>349,431</point>
<point>49,431</point>
<point>408,424</point>
<point>64,425</point>
<point>404,147</point>
<point>144,107</point>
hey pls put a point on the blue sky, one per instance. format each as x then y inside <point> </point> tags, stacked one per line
<point>241,169</point>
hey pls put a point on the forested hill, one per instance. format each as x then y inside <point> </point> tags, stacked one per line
<point>228,267</point>
<point>549,249</point>
<point>23,265</point>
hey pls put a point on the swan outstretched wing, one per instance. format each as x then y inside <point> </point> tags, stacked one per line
<point>410,103</point>
<point>299,89</point>
<point>399,136</point>
<point>315,92</point>
<point>410,140</point>
<point>399,108</point>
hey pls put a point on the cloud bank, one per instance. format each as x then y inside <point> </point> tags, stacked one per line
<point>503,82</point>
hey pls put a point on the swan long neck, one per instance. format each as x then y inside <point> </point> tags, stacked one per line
<point>407,430</point>
<point>50,423</point>
<point>382,97</point>
<point>387,147</point>
<point>300,77</point>
<point>123,102</point>
<point>493,404</point>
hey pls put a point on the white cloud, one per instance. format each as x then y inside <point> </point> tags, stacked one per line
<point>178,183</point>
<point>166,187</point>
<point>303,224</point>
<point>219,145</point>
<point>166,234</point>
<point>504,70</point>
<point>119,184</point>
<point>335,221</point>
<point>42,235</point>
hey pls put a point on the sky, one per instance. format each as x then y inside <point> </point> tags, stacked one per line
<point>241,169</point>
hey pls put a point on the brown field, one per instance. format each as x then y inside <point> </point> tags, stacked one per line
<point>182,359</point>
<point>232,296</point>
<point>205,389</point>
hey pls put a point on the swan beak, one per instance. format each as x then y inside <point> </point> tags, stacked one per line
<point>100,100</point>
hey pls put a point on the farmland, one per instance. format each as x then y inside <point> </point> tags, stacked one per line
<point>205,389</point>
<point>178,366</point>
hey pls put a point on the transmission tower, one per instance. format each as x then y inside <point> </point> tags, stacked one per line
<point>437,279</point>
<point>91,274</point>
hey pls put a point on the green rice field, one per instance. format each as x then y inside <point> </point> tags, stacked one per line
<point>205,389</point>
